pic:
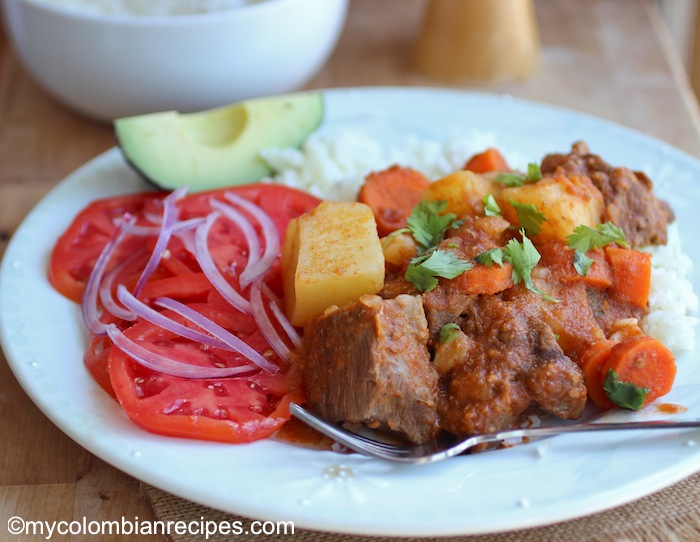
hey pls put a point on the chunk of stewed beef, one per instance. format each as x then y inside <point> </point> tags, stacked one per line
<point>368,362</point>
<point>504,361</point>
<point>629,198</point>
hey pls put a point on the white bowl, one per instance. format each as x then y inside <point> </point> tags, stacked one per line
<point>110,66</point>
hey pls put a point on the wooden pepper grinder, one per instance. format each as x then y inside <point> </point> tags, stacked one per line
<point>478,41</point>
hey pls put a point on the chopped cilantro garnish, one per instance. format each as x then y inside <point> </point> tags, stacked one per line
<point>423,271</point>
<point>427,225</point>
<point>534,173</point>
<point>582,263</point>
<point>490,257</point>
<point>529,217</point>
<point>584,238</point>
<point>448,332</point>
<point>624,394</point>
<point>524,257</point>
<point>510,180</point>
<point>491,207</point>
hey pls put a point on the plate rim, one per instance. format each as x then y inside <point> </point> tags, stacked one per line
<point>114,154</point>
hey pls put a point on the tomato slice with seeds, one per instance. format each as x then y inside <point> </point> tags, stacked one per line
<point>96,361</point>
<point>76,251</point>
<point>239,409</point>
<point>234,410</point>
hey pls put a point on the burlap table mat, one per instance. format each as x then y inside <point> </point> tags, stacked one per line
<point>671,515</point>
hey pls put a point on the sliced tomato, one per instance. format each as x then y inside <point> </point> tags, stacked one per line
<point>96,361</point>
<point>97,354</point>
<point>282,203</point>
<point>226,243</point>
<point>77,250</point>
<point>241,409</point>
<point>192,286</point>
<point>231,409</point>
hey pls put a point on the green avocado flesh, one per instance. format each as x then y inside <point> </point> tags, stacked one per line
<point>218,147</point>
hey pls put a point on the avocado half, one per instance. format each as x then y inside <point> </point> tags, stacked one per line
<point>217,147</point>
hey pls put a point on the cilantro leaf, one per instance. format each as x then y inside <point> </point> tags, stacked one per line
<point>427,225</point>
<point>624,394</point>
<point>491,207</point>
<point>423,270</point>
<point>510,180</point>
<point>513,179</point>
<point>534,173</point>
<point>524,257</point>
<point>529,217</point>
<point>584,238</point>
<point>490,257</point>
<point>448,332</point>
<point>582,263</point>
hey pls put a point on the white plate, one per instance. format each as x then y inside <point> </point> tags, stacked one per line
<point>528,485</point>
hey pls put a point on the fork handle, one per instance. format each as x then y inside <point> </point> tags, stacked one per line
<point>581,428</point>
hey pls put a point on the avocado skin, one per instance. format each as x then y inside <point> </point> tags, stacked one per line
<point>218,147</point>
<point>133,166</point>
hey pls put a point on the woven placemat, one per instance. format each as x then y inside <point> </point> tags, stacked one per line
<point>671,515</point>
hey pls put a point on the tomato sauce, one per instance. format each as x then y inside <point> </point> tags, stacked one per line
<point>670,408</point>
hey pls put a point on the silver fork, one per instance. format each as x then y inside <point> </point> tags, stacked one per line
<point>438,451</point>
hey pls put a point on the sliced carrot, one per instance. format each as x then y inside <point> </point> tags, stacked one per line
<point>631,274</point>
<point>392,194</point>
<point>591,363</point>
<point>644,362</point>
<point>559,258</point>
<point>482,279</point>
<point>489,160</point>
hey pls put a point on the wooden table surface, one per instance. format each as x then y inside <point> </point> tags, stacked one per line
<point>610,58</point>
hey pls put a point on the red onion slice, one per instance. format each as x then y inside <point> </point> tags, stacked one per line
<point>217,331</point>
<point>274,305</point>
<point>165,365</point>
<point>271,295</point>
<point>203,256</point>
<point>264,324</point>
<point>270,234</point>
<point>153,218</point>
<point>187,238</point>
<point>179,227</point>
<point>106,297</point>
<point>166,231</point>
<point>246,227</point>
<point>88,306</point>
<point>149,314</point>
<point>285,323</point>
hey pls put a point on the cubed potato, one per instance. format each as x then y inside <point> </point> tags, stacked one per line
<point>567,202</point>
<point>331,256</point>
<point>463,191</point>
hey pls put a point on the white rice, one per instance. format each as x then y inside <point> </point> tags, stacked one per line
<point>672,301</point>
<point>333,167</point>
<point>149,7</point>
